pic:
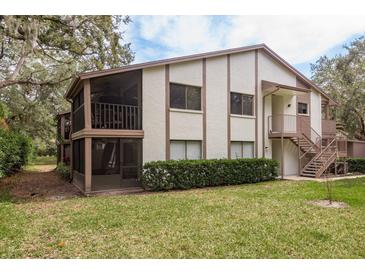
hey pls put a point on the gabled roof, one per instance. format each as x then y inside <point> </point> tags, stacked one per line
<point>87,75</point>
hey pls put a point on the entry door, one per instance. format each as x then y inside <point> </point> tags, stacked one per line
<point>130,162</point>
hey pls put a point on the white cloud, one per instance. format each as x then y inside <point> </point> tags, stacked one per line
<point>298,39</point>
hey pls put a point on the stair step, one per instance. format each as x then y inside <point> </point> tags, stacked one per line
<point>308,175</point>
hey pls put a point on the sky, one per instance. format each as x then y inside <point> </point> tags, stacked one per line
<point>300,39</point>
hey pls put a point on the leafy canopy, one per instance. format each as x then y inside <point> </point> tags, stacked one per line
<point>39,56</point>
<point>343,76</point>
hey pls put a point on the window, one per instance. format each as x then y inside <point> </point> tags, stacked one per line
<point>242,150</point>
<point>185,97</point>
<point>182,150</point>
<point>241,104</point>
<point>302,108</point>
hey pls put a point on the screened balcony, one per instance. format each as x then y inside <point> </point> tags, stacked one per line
<point>116,101</point>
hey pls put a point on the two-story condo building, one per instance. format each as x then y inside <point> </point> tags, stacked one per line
<point>241,102</point>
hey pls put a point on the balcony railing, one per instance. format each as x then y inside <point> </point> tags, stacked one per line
<point>285,124</point>
<point>115,116</point>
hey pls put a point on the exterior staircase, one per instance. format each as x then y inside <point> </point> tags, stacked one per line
<point>316,156</point>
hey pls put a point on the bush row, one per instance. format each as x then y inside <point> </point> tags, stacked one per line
<point>63,171</point>
<point>185,174</point>
<point>356,164</point>
<point>15,151</point>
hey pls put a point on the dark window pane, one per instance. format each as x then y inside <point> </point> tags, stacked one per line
<point>122,88</point>
<point>105,156</point>
<point>177,96</point>
<point>194,98</point>
<point>247,101</point>
<point>302,108</point>
<point>236,103</point>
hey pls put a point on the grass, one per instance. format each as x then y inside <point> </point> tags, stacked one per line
<point>39,161</point>
<point>265,220</point>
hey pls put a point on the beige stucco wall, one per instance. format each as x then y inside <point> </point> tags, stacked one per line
<point>242,129</point>
<point>316,112</point>
<point>290,156</point>
<point>269,70</point>
<point>243,72</point>
<point>189,126</point>
<point>153,102</point>
<point>188,73</point>
<point>186,125</point>
<point>242,80</point>
<point>216,104</point>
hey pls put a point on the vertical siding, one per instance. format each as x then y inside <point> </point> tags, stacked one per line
<point>154,122</point>
<point>216,94</point>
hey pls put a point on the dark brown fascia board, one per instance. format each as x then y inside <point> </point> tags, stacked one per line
<point>278,85</point>
<point>92,74</point>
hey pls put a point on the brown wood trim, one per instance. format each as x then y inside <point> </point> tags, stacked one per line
<point>167,112</point>
<point>120,133</point>
<point>204,107</point>
<point>228,106</point>
<point>256,102</point>
<point>87,103</point>
<point>75,87</point>
<point>88,167</point>
<point>273,85</point>
<point>264,47</point>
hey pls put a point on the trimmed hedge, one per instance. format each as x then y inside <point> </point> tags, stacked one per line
<point>15,152</point>
<point>356,165</point>
<point>185,174</point>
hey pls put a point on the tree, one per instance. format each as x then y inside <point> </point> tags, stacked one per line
<point>47,50</point>
<point>39,56</point>
<point>343,76</point>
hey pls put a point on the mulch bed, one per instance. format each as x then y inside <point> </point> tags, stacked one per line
<point>41,184</point>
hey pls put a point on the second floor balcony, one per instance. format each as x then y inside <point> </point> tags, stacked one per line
<point>290,125</point>
<point>115,116</point>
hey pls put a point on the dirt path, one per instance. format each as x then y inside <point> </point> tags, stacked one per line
<point>40,183</point>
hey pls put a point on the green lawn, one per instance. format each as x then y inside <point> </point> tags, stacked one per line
<point>41,161</point>
<point>266,220</point>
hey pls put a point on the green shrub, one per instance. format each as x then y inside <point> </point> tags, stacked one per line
<point>356,165</point>
<point>185,174</point>
<point>63,171</point>
<point>15,151</point>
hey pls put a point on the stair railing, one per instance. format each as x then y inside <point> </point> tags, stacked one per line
<point>314,137</point>
<point>311,148</point>
<point>319,155</point>
<point>331,158</point>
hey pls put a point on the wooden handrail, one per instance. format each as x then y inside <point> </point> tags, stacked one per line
<point>319,154</point>
<point>115,116</point>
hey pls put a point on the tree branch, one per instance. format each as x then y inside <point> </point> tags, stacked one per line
<point>7,83</point>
